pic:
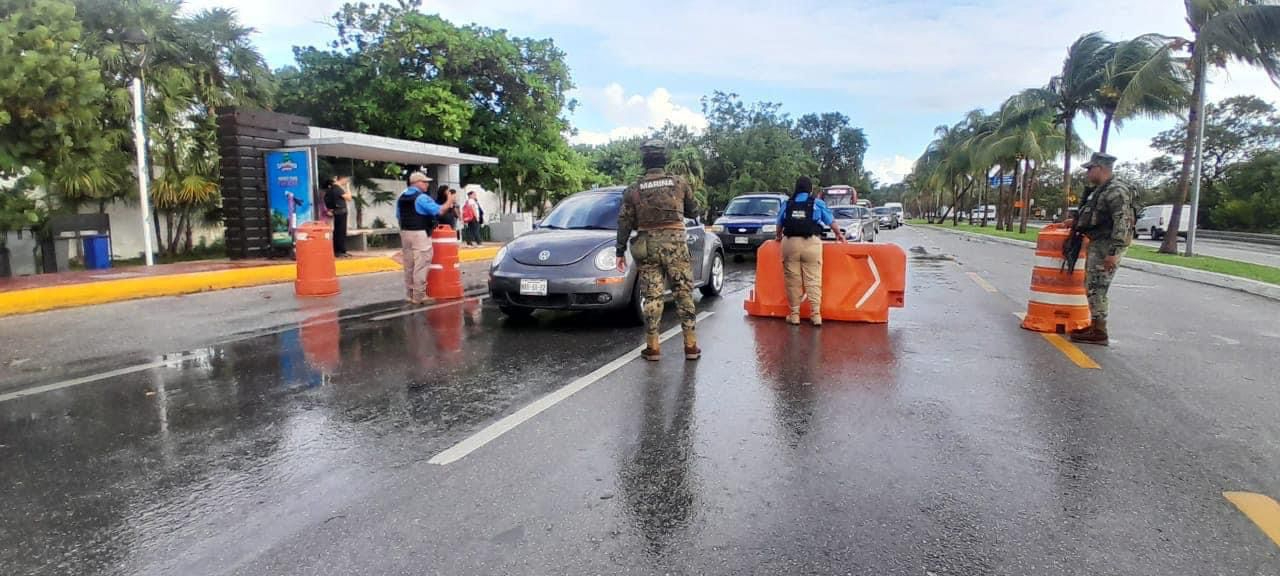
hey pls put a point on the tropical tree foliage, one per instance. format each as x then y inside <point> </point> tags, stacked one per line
<point>1245,31</point>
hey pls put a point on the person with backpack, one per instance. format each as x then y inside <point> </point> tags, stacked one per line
<point>472,218</point>
<point>800,227</point>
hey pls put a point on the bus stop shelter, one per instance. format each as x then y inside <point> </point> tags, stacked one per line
<point>247,136</point>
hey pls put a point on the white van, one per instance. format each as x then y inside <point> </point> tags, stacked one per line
<point>1153,221</point>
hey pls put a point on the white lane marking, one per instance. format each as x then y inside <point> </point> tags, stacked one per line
<point>184,357</point>
<point>1225,340</point>
<point>875,272</point>
<point>425,308</point>
<point>1059,299</point>
<point>497,429</point>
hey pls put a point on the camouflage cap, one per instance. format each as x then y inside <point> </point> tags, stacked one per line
<point>1100,159</point>
<point>653,146</point>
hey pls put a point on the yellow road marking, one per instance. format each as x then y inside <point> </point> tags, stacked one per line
<point>983,282</point>
<point>1072,352</point>
<point>1263,510</point>
<point>89,293</point>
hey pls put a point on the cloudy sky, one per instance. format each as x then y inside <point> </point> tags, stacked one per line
<point>897,68</point>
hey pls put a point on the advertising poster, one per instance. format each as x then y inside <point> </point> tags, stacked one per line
<point>289,193</point>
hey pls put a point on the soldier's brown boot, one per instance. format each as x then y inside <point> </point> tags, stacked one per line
<point>1096,334</point>
<point>794,317</point>
<point>653,349</point>
<point>691,349</point>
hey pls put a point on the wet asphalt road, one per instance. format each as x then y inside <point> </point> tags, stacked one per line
<point>948,442</point>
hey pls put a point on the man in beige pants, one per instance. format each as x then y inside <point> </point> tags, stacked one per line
<point>417,211</point>
<point>800,226</point>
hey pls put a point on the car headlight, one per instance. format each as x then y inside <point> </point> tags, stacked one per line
<point>769,229</point>
<point>607,259</point>
<point>717,228</point>
<point>499,257</point>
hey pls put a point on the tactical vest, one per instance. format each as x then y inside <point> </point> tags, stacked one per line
<point>798,221</point>
<point>410,219</point>
<point>658,202</point>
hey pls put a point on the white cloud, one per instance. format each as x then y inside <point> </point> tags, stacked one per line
<point>634,114</point>
<point>890,170</point>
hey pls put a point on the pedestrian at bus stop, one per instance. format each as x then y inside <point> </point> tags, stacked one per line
<point>1106,216</point>
<point>656,207</point>
<point>471,219</point>
<point>417,212</point>
<point>447,217</point>
<point>337,193</point>
<point>800,227</point>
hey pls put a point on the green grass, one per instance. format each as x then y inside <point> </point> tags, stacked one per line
<point>1268,274</point>
<point>989,230</point>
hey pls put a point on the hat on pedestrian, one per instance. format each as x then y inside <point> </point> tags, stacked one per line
<point>418,177</point>
<point>1100,159</point>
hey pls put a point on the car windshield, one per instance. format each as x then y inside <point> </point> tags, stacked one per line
<point>838,199</point>
<point>849,213</point>
<point>882,211</point>
<point>585,212</point>
<point>753,207</point>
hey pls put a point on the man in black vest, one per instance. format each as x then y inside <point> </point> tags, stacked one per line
<point>417,212</point>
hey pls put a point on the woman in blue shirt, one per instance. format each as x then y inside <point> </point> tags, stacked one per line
<point>800,227</point>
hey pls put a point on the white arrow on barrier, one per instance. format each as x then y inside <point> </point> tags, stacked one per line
<point>875,273</point>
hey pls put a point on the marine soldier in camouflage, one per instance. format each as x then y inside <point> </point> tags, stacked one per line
<point>1107,217</point>
<point>656,207</point>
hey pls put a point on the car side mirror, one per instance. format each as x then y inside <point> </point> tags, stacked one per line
<point>537,224</point>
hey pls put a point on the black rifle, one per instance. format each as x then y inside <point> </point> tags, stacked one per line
<point>1071,248</point>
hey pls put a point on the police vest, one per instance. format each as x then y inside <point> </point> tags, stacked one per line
<point>410,219</point>
<point>798,220</point>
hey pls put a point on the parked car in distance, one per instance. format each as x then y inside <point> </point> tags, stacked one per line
<point>749,221</point>
<point>857,223</point>
<point>897,207</point>
<point>887,218</point>
<point>1154,220</point>
<point>569,261</point>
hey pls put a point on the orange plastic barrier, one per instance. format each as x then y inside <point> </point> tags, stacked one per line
<point>860,282</point>
<point>1058,301</point>
<point>317,271</point>
<point>444,279</point>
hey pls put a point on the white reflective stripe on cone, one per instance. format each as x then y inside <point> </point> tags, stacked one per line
<point>436,267</point>
<point>1059,299</point>
<point>1056,262</point>
<point>445,240</point>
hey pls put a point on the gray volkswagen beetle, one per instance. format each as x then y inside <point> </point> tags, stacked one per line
<point>568,262</point>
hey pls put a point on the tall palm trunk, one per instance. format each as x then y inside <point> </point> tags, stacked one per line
<point>1108,117</point>
<point>1026,205</point>
<point>1066,163</point>
<point>1170,244</point>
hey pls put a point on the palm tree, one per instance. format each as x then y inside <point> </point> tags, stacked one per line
<point>1247,31</point>
<point>1072,92</point>
<point>1028,136</point>
<point>1141,77</point>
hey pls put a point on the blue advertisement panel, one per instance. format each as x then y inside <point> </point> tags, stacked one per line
<point>289,193</point>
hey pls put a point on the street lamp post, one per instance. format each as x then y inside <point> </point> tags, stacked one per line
<point>138,39</point>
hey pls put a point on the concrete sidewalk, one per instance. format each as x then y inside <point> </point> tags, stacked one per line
<point>69,290</point>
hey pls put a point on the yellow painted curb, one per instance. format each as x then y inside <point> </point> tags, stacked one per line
<point>90,293</point>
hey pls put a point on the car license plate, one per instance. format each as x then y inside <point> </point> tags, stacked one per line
<point>533,287</point>
<point>741,240</point>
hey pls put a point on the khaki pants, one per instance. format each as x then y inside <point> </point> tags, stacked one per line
<point>415,250</point>
<point>802,268</point>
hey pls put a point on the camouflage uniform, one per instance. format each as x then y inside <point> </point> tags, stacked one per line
<point>1106,216</point>
<point>656,207</point>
